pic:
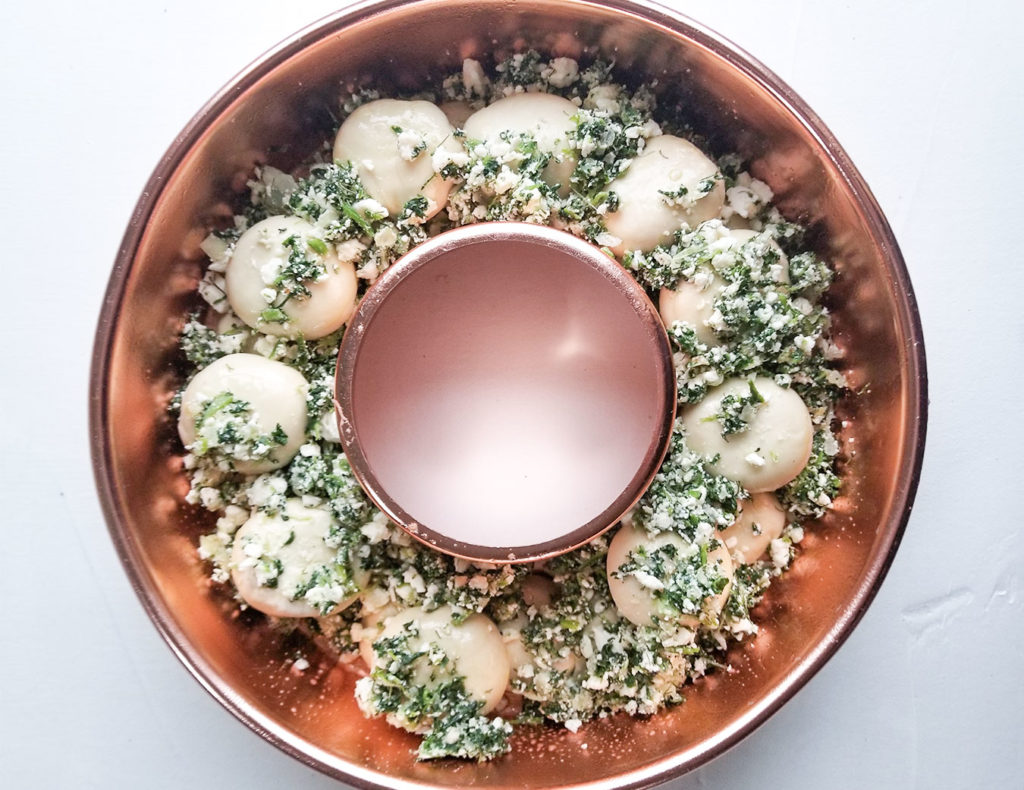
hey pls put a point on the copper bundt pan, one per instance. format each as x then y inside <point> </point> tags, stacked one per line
<point>277,109</point>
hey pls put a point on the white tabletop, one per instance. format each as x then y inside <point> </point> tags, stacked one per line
<point>927,100</point>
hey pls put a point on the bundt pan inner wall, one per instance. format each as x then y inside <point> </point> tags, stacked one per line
<point>276,111</point>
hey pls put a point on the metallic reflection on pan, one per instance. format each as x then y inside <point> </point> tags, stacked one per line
<point>281,103</point>
<point>505,392</point>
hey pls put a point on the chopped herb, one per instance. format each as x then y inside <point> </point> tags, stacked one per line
<point>736,411</point>
<point>227,429</point>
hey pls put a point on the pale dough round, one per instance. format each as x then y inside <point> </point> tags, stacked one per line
<point>763,513</point>
<point>256,261</point>
<point>644,219</point>
<point>384,158</point>
<point>694,304</point>
<point>298,543</point>
<point>637,602</point>
<point>520,658</point>
<point>546,116</point>
<point>275,392</point>
<point>474,648</point>
<point>743,235</point>
<point>771,451</point>
<point>537,591</point>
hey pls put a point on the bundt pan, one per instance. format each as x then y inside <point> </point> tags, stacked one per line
<point>277,110</point>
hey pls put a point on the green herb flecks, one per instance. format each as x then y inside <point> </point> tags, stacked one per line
<point>686,496</point>
<point>736,411</point>
<point>680,580</point>
<point>226,427</point>
<point>441,706</point>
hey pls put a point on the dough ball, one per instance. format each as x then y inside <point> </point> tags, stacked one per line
<point>240,407</point>
<point>770,451</point>
<point>693,304</point>
<point>474,648</point>
<point>274,559</point>
<point>537,591</point>
<point>256,263</point>
<point>761,520</point>
<point>693,301</point>
<point>547,117</point>
<point>646,217</point>
<point>391,143</point>
<point>740,236</point>
<point>635,595</point>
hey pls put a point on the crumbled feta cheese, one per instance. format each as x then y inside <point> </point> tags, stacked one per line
<point>563,72</point>
<point>474,78</point>
<point>779,552</point>
<point>371,208</point>
<point>376,531</point>
<point>410,144</point>
<point>349,250</point>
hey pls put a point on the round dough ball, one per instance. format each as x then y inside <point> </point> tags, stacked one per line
<point>772,449</point>
<point>645,218</point>
<point>693,305</point>
<point>537,592</point>
<point>372,625</point>
<point>761,520</point>
<point>257,260</point>
<point>525,664</point>
<point>396,166</point>
<point>276,397</point>
<point>286,553</point>
<point>637,601</point>
<point>546,116</point>
<point>474,648</point>
<point>511,634</point>
<point>743,235</point>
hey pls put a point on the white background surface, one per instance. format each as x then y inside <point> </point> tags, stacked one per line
<point>927,99</point>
